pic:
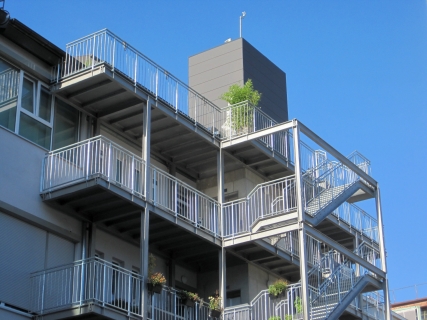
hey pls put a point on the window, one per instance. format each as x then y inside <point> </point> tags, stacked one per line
<point>28,95</point>
<point>66,124</point>
<point>35,110</point>
<point>9,88</point>
<point>35,131</point>
<point>26,107</point>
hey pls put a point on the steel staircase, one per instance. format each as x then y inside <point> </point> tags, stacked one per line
<point>323,194</point>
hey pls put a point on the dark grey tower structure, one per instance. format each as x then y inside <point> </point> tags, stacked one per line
<point>212,72</point>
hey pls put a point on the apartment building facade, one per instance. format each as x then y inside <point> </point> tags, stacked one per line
<point>108,158</point>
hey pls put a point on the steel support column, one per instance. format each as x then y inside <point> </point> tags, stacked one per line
<point>145,215</point>
<point>383,251</point>
<point>222,275</point>
<point>222,261</point>
<point>301,222</point>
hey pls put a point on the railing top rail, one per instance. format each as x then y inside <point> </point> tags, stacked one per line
<point>357,154</point>
<point>186,185</point>
<point>100,137</point>
<point>364,213</point>
<point>83,262</point>
<point>137,52</point>
<point>258,186</point>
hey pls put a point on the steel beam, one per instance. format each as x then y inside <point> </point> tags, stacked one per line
<point>334,245</point>
<point>258,134</point>
<point>328,148</point>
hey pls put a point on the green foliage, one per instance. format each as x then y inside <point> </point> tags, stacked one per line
<point>190,295</point>
<point>275,318</point>
<point>236,94</point>
<point>277,287</point>
<point>215,302</point>
<point>242,114</point>
<point>298,305</point>
<point>288,317</point>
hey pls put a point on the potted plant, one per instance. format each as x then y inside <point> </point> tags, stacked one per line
<point>189,298</point>
<point>278,288</point>
<point>215,306</point>
<point>240,118</point>
<point>275,318</point>
<point>156,282</point>
<point>155,279</point>
<point>298,308</point>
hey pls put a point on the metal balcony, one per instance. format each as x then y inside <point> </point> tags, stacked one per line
<point>91,286</point>
<point>94,288</point>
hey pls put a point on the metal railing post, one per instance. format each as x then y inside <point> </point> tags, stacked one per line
<point>93,51</point>
<point>43,292</point>
<point>129,298</point>
<point>114,54</point>
<point>109,162</point>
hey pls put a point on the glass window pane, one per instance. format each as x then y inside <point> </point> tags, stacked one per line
<point>9,85</point>
<point>45,105</point>
<point>66,125</point>
<point>34,131</point>
<point>28,95</point>
<point>8,115</point>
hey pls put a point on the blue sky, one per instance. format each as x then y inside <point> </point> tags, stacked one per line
<point>356,72</point>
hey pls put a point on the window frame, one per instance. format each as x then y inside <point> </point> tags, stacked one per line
<point>38,86</point>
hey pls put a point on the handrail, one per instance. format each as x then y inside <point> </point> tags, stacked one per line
<point>241,214</point>
<point>101,158</point>
<point>106,47</point>
<point>83,281</point>
<point>95,157</point>
<point>184,201</point>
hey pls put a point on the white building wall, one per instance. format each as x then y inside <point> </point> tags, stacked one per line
<point>21,163</point>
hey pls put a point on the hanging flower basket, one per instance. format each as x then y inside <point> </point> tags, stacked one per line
<point>154,288</point>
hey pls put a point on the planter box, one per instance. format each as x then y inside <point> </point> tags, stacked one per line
<point>280,296</point>
<point>154,288</point>
<point>188,302</point>
<point>215,313</point>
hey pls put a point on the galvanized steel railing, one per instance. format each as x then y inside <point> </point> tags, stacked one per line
<point>95,157</point>
<point>169,305</point>
<point>264,306</point>
<point>105,47</point>
<point>319,193</point>
<point>100,158</point>
<point>185,201</point>
<point>240,312</point>
<point>9,85</point>
<point>333,291</point>
<point>86,281</point>
<point>266,200</point>
<point>358,219</point>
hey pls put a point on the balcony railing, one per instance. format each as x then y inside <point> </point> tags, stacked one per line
<point>95,157</point>
<point>266,200</point>
<point>169,305</point>
<point>185,201</point>
<point>97,281</point>
<point>358,219</point>
<point>101,158</point>
<point>264,306</point>
<point>86,281</point>
<point>225,123</point>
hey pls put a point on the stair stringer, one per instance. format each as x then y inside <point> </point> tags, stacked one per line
<point>334,204</point>
<point>366,281</point>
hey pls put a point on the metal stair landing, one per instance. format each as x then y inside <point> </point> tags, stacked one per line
<point>274,221</point>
